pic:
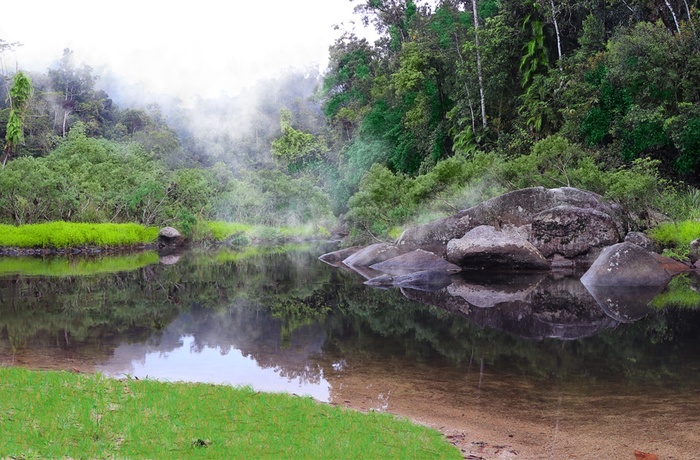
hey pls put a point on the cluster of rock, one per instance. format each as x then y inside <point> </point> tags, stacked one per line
<point>509,252</point>
<point>533,229</point>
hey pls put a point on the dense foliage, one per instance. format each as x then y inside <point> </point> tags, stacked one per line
<point>455,102</point>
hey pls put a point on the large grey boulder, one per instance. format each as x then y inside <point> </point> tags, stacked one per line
<point>336,258</point>
<point>415,261</point>
<point>626,264</point>
<point>572,231</point>
<point>516,208</point>
<point>372,254</point>
<point>484,247</point>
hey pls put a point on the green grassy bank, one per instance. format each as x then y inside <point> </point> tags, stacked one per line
<point>73,234</point>
<point>61,235</point>
<point>65,415</point>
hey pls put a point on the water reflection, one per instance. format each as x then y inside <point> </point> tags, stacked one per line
<point>284,321</point>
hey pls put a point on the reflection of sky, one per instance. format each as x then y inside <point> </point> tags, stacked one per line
<point>210,365</point>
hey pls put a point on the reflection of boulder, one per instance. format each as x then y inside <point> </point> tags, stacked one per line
<point>626,264</point>
<point>548,308</point>
<point>484,247</point>
<point>169,259</point>
<point>625,304</point>
<point>423,281</point>
<point>495,289</point>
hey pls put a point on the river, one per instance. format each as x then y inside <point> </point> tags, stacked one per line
<point>505,366</point>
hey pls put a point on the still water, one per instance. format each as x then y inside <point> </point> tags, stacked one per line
<point>533,366</point>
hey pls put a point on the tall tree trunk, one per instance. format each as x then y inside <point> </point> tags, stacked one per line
<point>466,87</point>
<point>690,19</point>
<point>673,13</point>
<point>556,30</point>
<point>478,65</point>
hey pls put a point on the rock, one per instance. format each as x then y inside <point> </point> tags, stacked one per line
<point>484,247</point>
<point>672,266</point>
<point>336,258</point>
<point>626,264</point>
<point>415,261</point>
<point>372,254</point>
<point>168,236</point>
<point>694,254</point>
<point>515,208</point>
<point>572,231</point>
<point>640,239</point>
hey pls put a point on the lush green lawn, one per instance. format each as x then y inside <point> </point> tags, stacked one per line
<point>65,415</point>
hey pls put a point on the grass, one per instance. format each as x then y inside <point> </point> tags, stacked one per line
<point>77,266</point>
<point>677,234</point>
<point>679,293</point>
<point>72,234</point>
<point>65,415</point>
<point>221,231</point>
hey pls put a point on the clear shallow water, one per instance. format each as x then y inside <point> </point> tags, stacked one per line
<point>541,350</point>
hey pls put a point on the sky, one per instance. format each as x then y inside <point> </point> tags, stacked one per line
<point>193,49</point>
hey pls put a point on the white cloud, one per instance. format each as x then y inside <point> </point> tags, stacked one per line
<point>192,49</point>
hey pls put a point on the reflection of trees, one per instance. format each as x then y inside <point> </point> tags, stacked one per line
<point>266,305</point>
<point>285,310</point>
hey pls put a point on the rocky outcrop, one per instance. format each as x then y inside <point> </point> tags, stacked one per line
<point>572,231</point>
<point>517,209</point>
<point>626,264</point>
<point>484,247</point>
<point>533,229</point>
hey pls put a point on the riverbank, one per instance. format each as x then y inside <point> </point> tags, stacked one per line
<point>74,238</point>
<point>62,414</point>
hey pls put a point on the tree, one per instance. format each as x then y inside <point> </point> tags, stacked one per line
<point>296,147</point>
<point>19,95</point>
<point>72,84</point>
